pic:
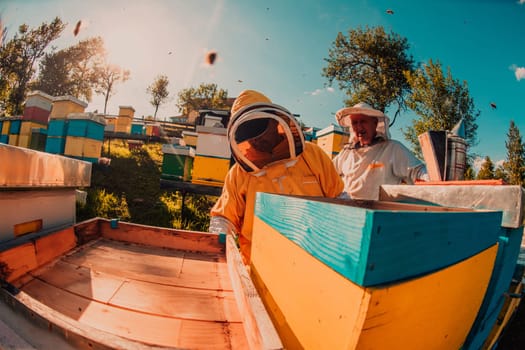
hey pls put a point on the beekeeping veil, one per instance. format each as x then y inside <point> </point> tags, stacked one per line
<point>262,133</point>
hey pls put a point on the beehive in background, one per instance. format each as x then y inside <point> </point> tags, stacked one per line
<point>38,139</point>
<point>177,162</point>
<point>65,105</point>
<point>26,131</point>
<point>84,136</point>
<point>14,126</point>
<point>124,119</point>
<point>212,156</point>
<point>153,129</point>
<point>190,138</point>
<point>56,135</point>
<point>138,128</point>
<point>332,139</point>
<point>38,107</point>
<point>111,123</point>
<point>4,130</point>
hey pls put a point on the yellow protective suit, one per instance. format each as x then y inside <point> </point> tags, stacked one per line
<point>311,174</point>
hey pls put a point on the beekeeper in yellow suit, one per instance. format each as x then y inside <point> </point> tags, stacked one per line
<point>271,156</point>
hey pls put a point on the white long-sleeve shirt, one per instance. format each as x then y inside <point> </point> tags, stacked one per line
<point>364,169</point>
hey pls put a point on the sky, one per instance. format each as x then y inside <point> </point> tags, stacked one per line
<point>278,47</point>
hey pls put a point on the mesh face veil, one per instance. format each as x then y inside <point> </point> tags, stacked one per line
<point>261,134</point>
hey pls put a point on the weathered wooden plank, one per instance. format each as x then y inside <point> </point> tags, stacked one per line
<point>163,237</point>
<point>151,264</point>
<point>54,245</point>
<point>153,298</point>
<point>509,199</point>
<point>17,261</point>
<point>373,246</point>
<point>258,326</point>
<point>143,327</point>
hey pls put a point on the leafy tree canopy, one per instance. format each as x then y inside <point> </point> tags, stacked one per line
<point>18,57</point>
<point>440,102</point>
<point>369,66</point>
<point>203,97</point>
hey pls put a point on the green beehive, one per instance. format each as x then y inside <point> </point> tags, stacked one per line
<point>177,162</point>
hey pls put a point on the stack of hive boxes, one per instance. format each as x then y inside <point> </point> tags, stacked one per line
<point>212,156</point>
<point>190,138</point>
<point>177,162</point>
<point>85,135</point>
<point>57,128</point>
<point>125,117</point>
<point>332,139</point>
<point>33,130</point>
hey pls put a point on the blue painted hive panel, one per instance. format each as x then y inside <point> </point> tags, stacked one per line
<point>374,243</point>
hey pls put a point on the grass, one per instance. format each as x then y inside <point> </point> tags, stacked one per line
<point>129,189</point>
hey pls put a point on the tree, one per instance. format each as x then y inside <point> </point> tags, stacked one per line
<point>159,92</point>
<point>500,173</point>
<point>515,164</point>
<point>109,75</point>
<point>75,71</point>
<point>486,172</point>
<point>440,102</point>
<point>369,65</point>
<point>18,57</point>
<point>206,96</point>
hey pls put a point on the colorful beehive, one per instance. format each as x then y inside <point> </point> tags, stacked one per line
<point>376,275</point>
<point>125,117</point>
<point>476,194</point>
<point>177,162</point>
<point>153,129</point>
<point>14,126</point>
<point>38,139</point>
<point>111,123</point>
<point>190,138</point>
<point>212,156</point>
<point>332,139</point>
<point>4,134</point>
<point>37,107</point>
<point>26,132</point>
<point>64,105</point>
<point>56,135</point>
<point>84,137</point>
<point>138,128</point>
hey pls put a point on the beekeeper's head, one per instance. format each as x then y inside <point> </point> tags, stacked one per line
<point>262,133</point>
<point>365,123</point>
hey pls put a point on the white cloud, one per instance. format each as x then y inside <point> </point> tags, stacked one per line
<point>520,71</point>
<point>320,91</point>
<point>478,162</point>
<point>521,2</point>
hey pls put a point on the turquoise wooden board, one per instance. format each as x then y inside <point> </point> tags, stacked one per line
<point>508,252</point>
<point>373,247</point>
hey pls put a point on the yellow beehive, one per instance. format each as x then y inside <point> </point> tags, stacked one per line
<point>126,111</point>
<point>28,125</point>
<point>24,140</point>
<point>5,127</point>
<point>123,124</point>
<point>82,147</point>
<point>332,139</point>
<point>64,105</point>
<point>190,138</point>
<point>210,170</point>
<point>13,139</point>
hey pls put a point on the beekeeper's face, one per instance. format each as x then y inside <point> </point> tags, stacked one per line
<point>364,127</point>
